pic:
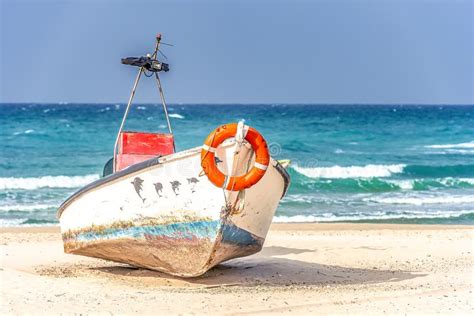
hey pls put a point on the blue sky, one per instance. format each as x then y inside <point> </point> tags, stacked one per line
<point>241,51</point>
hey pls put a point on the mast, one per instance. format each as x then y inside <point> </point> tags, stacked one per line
<point>148,63</point>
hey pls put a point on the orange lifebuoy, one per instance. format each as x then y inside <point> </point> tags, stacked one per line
<point>236,183</point>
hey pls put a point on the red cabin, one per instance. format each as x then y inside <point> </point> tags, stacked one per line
<point>135,147</point>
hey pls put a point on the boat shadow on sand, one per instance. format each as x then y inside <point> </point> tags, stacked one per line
<point>265,268</point>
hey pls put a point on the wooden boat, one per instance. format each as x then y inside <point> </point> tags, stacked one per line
<point>173,212</point>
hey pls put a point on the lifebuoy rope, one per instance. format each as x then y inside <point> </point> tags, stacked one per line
<point>260,166</point>
<point>210,149</point>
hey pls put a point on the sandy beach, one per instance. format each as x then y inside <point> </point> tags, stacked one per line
<point>303,268</point>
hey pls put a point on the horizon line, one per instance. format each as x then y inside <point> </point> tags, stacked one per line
<point>230,103</point>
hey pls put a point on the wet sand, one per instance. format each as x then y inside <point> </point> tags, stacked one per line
<point>303,268</point>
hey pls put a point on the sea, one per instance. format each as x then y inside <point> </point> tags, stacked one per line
<point>349,163</point>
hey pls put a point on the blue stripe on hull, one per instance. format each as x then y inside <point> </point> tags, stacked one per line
<point>187,230</point>
<point>191,231</point>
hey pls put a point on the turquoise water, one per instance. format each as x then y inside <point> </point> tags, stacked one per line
<point>408,164</point>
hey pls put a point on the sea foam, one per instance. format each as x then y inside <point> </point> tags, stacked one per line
<point>176,115</point>
<point>338,172</point>
<point>420,184</point>
<point>28,131</point>
<point>460,145</point>
<point>422,200</point>
<point>367,217</point>
<point>11,222</point>
<point>26,208</point>
<point>47,182</point>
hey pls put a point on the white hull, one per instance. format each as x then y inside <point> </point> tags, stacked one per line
<point>161,214</point>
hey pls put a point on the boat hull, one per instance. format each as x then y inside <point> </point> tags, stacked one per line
<point>184,249</point>
<point>162,215</point>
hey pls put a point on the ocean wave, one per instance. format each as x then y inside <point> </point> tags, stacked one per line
<point>383,171</point>
<point>9,222</point>
<point>453,152</point>
<point>439,171</point>
<point>425,184</point>
<point>26,208</point>
<point>460,145</point>
<point>26,222</point>
<point>422,200</point>
<point>330,217</point>
<point>460,151</point>
<point>356,185</point>
<point>176,115</point>
<point>339,172</point>
<point>28,131</point>
<point>104,110</point>
<point>47,182</point>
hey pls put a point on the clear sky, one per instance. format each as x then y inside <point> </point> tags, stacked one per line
<point>241,51</point>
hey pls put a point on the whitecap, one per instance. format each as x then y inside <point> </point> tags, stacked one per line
<point>403,184</point>
<point>339,172</point>
<point>467,180</point>
<point>329,217</point>
<point>26,208</point>
<point>459,145</point>
<point>47,182</point>
<point>9,222</point>
<point>15,222</point>
<point>176,115</point>
<point>460,151</point>
<point>422,200</point>
<point>28,131</point>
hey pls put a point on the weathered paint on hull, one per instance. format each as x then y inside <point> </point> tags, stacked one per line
<point>184,249</point>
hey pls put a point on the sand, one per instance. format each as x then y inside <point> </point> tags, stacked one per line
<point>303,269</point>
